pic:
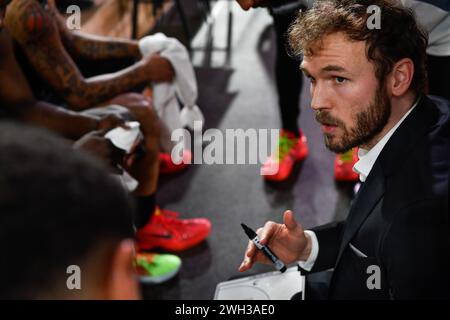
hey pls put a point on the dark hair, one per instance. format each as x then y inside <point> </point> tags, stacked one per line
<point>56,207</point>
<point>399,36</point>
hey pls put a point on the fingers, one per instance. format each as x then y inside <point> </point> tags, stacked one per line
<point>267,232</point>
<point>289,220</point>
<point>125,126</point>
<point>251,250</point>
<point>163,69</point>
<point>252,254</point>
<point>245,4</point>
<point>271,234</point>
<point>247,263</point>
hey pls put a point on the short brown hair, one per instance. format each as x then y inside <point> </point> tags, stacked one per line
<point>399,36</point>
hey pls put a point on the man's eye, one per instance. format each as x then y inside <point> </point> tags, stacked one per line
<point>340,79</point>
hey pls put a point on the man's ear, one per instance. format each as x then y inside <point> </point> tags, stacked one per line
<point>122,282</point>
<point>401,77</point>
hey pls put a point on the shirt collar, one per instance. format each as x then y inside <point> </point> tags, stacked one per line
<point>367,158</point>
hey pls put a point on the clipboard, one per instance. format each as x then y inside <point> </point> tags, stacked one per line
<point>265,286</point>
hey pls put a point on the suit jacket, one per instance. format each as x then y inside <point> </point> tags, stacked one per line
<point>399,220</point>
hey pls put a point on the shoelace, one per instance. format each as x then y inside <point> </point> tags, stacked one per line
<point>285,145</point>
<point>347,157</point>
<point>142,262</point>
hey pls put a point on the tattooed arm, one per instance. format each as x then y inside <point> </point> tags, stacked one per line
<point>83,45</point>
<point>35,30</point>
<point>94,47</point>
<point>19,103</point>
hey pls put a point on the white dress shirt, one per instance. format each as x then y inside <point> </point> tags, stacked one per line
<point>363,167</point>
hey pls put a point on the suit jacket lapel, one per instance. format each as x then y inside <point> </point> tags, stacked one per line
<point>390,159</point>
<point>366,199</point>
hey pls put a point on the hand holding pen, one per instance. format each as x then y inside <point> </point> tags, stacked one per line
<point>287,241</point>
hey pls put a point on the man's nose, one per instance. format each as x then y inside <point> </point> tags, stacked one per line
<point>320,98</point>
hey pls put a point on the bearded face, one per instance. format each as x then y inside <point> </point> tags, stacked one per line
<point>368,122</point>
<point>351,104</point>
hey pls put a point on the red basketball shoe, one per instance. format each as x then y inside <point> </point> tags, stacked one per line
<point>291,149</point>
<point>167,232</point>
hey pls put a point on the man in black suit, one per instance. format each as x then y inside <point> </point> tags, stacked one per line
<point>367,86</point>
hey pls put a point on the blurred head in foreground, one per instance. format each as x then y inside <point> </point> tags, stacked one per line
<point>65,224</point>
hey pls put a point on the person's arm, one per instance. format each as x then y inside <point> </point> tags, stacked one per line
<point>67,123</point>
<point>416,251</point>
<point>83,45</point>
<point>18,102</point>
<point>38,35</point>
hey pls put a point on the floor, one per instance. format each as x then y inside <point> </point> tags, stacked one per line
<point>238,92</point>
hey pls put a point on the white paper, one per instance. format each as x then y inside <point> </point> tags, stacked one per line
<point>125,139</point>
<point>266,286</point>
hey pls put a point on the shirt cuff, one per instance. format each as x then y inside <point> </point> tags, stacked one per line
<point>309,263</point>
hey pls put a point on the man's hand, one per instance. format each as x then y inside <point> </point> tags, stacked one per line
<point>97,145</point>
<point>110,122</point>
<point>247,4</point>
<point>288,241</point>
<point>141,108</point>
<point>159,69</point>
<point>132,100</point>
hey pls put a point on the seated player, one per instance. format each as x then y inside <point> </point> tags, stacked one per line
<point>17,102</point>
<point>46,41</point>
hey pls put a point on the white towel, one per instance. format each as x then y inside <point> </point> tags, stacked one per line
<point>184,86</point>
<point>125,139</point>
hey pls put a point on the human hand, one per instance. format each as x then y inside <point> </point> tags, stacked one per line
<point>132,100</point>
<point>97,145</point>
<point>247,4</point>
<point>141,109</point>
<point>159,69</point>
<point>110,121</point>
<point>288,241</point>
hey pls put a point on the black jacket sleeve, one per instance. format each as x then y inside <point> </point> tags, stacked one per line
<point>329,238</point>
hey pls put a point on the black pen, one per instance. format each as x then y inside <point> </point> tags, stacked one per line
<point>265,249</point>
